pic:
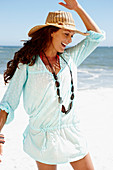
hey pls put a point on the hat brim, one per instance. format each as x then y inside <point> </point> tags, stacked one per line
<point>68,27</point>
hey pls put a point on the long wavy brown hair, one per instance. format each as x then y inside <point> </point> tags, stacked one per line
<point>39,42</point>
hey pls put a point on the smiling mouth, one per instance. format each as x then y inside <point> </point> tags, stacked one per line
<point>63,44</point>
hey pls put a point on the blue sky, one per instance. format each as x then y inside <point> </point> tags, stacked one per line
<point>17,17</point>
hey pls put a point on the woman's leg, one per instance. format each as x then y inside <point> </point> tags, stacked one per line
<point>42,166</point>
<point>83,164</point>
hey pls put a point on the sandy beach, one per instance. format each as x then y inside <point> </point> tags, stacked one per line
<point>96,115</point>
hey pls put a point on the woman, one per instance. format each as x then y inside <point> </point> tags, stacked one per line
<point>46,72</point>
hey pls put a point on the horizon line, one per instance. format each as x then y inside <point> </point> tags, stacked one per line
<point>22,46</point>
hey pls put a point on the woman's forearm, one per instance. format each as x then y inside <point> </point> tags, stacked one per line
<point>3,118</point>
<point>87,20</point>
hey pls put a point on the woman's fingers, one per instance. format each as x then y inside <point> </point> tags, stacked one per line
<point>61,3</point>
<point>65,5</point>
<point>70,4</point>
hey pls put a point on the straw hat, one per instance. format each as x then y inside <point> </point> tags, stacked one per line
<point>59,19</point>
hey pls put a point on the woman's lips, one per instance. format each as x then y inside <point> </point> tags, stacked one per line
<point>63,44</point>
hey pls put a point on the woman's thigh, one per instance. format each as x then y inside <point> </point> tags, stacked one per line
<point>42,166</point>
<point>83,164</point>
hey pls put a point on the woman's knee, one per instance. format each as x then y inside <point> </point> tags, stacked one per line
<point>42,166</point>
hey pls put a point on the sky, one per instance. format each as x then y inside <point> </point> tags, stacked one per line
<point>17,17</point>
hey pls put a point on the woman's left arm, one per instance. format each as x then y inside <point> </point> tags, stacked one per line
<point>87,20</point>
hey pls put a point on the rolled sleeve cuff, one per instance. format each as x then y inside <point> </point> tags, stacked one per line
<point>7,108</point>
<point>95,36</point>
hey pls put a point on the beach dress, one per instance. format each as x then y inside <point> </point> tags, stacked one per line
<point>51,137</point>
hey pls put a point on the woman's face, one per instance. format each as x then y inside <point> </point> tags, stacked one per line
<point>61,39</point>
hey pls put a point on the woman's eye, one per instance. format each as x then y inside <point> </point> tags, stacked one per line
<point>66,34</point>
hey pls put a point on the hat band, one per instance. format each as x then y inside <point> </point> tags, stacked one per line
<point>60,23</point>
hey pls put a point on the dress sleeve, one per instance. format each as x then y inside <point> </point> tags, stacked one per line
<point>12,95</point>
<point>80,51</point>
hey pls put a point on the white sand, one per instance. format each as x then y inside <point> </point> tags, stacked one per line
<point>96,114</point>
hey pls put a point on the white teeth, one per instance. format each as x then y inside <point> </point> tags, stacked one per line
<point>64,44</point>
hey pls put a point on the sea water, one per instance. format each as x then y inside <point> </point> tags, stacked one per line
<point>95,72</point>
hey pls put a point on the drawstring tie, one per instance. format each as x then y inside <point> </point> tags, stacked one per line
<point>44,145</point>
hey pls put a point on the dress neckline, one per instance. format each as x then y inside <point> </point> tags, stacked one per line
<point>62,65</point>
<point>40,56</point>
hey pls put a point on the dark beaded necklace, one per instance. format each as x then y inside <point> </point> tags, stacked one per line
<point>57,84</point>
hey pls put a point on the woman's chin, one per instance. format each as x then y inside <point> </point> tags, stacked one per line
<point>61,51</point>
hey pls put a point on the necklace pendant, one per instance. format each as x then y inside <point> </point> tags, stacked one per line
<point>67,111</point>
<point>72,89</point>
<point>58,92</point>
<point>60,100</point>
<point>55,76</point>
<point>70,106</point>
<point>63,109</point>
<point>57,83</point>
<point>72,96</point>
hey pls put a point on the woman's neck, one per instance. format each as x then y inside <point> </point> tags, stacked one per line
<point>50,52</point>
<point>51,57</point>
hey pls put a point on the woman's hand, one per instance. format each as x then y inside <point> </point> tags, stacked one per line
<point>2,141</point>
<point>87,20</point>
<point>1,151</point>
<point>70,4</point>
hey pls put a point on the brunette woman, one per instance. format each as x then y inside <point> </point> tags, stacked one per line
<point>46,71</point>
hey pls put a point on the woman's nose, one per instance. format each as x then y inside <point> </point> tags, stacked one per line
<point>69,39</point>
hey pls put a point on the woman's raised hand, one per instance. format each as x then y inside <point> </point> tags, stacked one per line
<point>70,4</point>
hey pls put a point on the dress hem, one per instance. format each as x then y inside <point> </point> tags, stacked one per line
<point>56,163</point>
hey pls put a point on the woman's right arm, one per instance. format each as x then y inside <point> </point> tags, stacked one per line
<point>12,95</point>
<point>11,98</point>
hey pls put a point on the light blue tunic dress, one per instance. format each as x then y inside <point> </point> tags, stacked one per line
<point>51,137</point>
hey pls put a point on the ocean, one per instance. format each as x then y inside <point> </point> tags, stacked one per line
<point>95,72</point>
